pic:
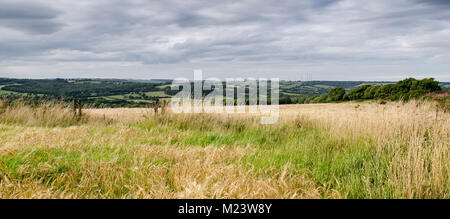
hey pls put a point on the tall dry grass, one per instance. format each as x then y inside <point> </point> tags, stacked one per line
<point>417,140</point>
<point>315,151</point>
<point>44,114</point>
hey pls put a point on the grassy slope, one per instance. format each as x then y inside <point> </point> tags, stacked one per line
<point>314,155</point>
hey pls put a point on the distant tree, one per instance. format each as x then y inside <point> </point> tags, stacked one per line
<point>320,99</point>
<point>298,100</point>
<point>385,91</point>
<point>412,88</point>
<point>285,100</point>
<point>356,93</point>
<point>370,92</point>
<point>336,94</point>
<point>310,99</point>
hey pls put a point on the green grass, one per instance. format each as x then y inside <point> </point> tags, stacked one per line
<point>352,166</point>
<point>6,91</point>
<point>355,169</point>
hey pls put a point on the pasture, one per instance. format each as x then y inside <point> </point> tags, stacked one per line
<point>394,150</point>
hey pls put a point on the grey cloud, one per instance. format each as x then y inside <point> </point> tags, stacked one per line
<point>323,3</point>
<point>233,33</point>
<point>32,26</point>
<point>15,10</point>
<point>440,3</point>
<point>29,17</point>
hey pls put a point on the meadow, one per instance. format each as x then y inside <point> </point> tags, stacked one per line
<point>346,150</point>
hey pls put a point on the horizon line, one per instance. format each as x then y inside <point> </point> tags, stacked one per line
<point>171,79</point>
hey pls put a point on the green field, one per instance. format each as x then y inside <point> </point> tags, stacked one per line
<point>6,91</point>
<point>371,152</point>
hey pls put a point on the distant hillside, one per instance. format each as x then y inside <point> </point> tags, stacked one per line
<point>308,88</point>
<point>142,93</point>
<point>445,85</point>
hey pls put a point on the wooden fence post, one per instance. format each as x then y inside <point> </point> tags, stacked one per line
<point>77,109</point>
<point>80,107</point>
<point>155,107</point>
<point>74,108</point>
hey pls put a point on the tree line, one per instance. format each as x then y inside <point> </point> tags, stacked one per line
<point>405,90</point>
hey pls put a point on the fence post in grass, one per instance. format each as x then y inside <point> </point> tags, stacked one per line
<point>155,107</point>
<point>74,108</point>
<point>80,107</point>
<point>77,107</point>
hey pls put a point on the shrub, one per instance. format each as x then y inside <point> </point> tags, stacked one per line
<point>384,92</point>
<point>442,100</point>
<point>336,94</point>
<point>299,100</point>
<point>370,92</point>
<point>310,99</point>
<point>320,99</point>
<point>356,93</point>
<point>285,100</point>
<point>411,88</point>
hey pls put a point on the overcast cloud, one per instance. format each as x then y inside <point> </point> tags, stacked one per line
<point>328,39</point>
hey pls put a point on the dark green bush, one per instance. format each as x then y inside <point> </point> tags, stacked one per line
<point>336,94</point>
<point>407,89</point>
<point>320,99</point>
<point>356,93</point>
<point>370,92</point>
<point>384,92</point>
<point>411,88</point>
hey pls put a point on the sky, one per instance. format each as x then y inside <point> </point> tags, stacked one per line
<point>381,40</point>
